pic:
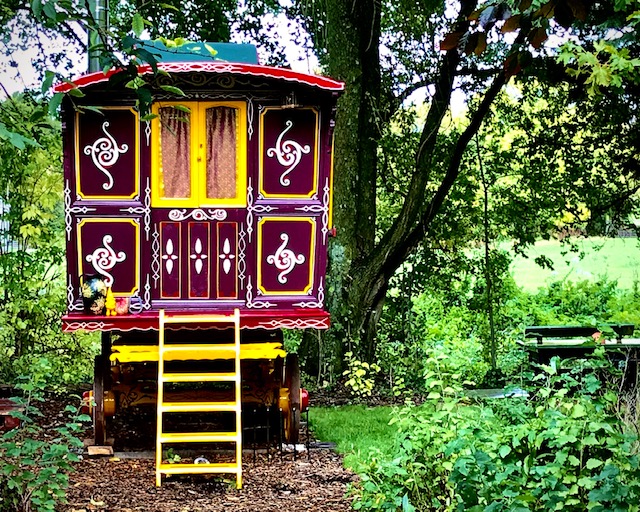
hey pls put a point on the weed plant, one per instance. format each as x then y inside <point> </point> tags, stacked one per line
<point>563,448</point>
<point>34,469</point>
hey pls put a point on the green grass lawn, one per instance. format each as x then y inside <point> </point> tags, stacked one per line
<point>614,258</point>
<point>355,429</point>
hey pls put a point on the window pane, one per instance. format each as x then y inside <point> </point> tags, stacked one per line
<point>175,154</point>
<point>221,152</point>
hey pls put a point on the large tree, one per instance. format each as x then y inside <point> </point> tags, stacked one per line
<point>386,51</point>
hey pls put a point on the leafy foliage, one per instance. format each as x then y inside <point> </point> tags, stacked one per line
<point>32,284</point>
<point>34,470</point>
<point>561,449</point>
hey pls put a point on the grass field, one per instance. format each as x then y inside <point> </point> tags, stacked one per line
<point>355,429</point>
<point>613,258</point>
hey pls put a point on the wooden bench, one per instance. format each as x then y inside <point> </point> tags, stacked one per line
<point>575,332</point>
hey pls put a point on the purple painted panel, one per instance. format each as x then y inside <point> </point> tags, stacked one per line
<point>199,258</point>
<point>170,260</point>
<point>110,248</point>
<point>286,252</point>
<point>106,154</point>
<point>288,152</point>
<point>227,261</point>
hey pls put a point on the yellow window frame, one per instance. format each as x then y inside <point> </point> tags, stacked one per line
<point>198,144</point>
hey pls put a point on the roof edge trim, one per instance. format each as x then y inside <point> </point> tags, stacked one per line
<point>286,75</point>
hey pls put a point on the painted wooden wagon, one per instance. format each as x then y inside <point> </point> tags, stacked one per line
<point>194,238</point>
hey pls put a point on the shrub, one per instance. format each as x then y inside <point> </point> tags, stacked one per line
<point>34,469</point>
<point>562,449</point>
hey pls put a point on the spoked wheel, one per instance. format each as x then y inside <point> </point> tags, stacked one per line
<point>290,399</point>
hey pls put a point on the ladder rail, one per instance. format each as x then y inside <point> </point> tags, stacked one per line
<point>164,407</point>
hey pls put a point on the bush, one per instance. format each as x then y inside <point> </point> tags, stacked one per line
<point>562,449</point>
<point>34,469</point>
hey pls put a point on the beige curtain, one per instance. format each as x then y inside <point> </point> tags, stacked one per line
<point>175,153</point>
<point>221,152</point>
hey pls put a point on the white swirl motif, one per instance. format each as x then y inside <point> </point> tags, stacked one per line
<point>285,259</point>
<point>197,214</point>
<point>105,153</point>
<point>289,153</point>
<point>105,258</point>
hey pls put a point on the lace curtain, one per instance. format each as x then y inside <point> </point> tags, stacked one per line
<point>221,126</point>
<point>175,152</point>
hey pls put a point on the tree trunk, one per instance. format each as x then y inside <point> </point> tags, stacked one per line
<point>353,34</point>
<point>357,295</point>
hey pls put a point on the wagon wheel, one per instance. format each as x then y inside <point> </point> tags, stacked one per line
<point>100,385</point>
<point>291,409</point>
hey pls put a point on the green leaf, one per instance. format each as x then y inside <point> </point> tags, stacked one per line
<point>93,109</point>
<point>578,411</point>
<point>54,103</point>
<point>504,451</point>
<point>75,92</point>
<point>49,10</point>
<point>594,463</point>
<point>137,24</point>
<point>173,90</point>
<point>36,7</point>
<point>211,50</point>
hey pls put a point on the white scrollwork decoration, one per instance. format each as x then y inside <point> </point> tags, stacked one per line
<point>69,210</point>
<point>226,256</point>
<point>198,256</point>
<point>197,214</point>
<point>242,266</point>
<point>147,294</point>
<point>155,256</point>
<point>105,258</point>
<point>290,323</point>
<point>169,257</point>
<point>285,259</point>
<point>288,152</point>
<point>257,304</point>
<point>313,303</point>
<point>105,153</point>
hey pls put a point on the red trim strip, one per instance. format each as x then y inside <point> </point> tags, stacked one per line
<point>286,75</point>
<point>270,320</point>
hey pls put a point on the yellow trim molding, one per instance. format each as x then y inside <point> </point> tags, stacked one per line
<point>316,150</point>
<point>198,143</point>
<point>312,255</point>
<point>110,221</point>
<point>76,137</point>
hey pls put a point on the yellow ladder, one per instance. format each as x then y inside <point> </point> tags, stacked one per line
<point>176,352</point>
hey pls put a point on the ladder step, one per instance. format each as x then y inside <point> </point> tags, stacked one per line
<point>199,437</point>
<point>183,469</point>
<point>201,347</point>
<point>196,352</point>
<point>192,319</point>
<point>199,377</point>
<point>199,406</point>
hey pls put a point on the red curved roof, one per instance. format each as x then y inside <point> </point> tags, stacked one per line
<point>286,75</point>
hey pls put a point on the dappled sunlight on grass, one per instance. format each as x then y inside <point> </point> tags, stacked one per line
<point>355,429</point>
<point>616,259</point>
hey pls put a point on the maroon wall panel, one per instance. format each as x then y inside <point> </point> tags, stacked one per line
<point>107,154</point>
<point>227,260</point>
<point>286,255</point>
<point>110,248</point>
<point>288,152</point>
<point>170,260</point>
<point>199,260</point>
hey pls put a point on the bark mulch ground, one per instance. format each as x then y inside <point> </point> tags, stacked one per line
<point>281,485</point>
<point>276,482</point>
